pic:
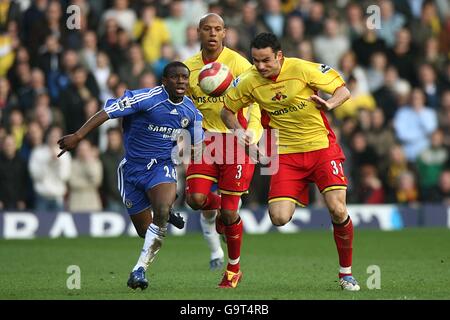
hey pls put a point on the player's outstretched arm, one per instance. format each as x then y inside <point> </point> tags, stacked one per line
<point>341,95</point>
<point>70,142</point>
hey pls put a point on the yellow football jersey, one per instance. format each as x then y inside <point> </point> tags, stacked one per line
<point>211,107</point>
<point>285,104</point>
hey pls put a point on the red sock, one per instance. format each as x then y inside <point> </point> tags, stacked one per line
<point>212,202</point>
<point>234,234</point>
<point>343,236</point>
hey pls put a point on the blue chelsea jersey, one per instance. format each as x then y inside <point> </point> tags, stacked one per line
<point>152,123</point>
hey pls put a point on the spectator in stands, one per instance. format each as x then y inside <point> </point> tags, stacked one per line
<point>177,23</point>
<point>151,32</point>
<point>192,45</point>
<point>72,99</point>
<point>134,67</point>
<point>102,72</point>
<point>430,85</point>
<point>429,24</point>
<point>85,179</point>
<point>53,24</point>
<point>250,25</point>
<point>430,164</point>
<point>444,117</point>
<point>414,124</point>
<point>124,16</point>
<point>370,189</point>
<point>406,191</point>
<point>8,100</point>
<point>443,193</point>
<point>13,177</point>
<point>305,51</point>
<point>381,137</point>
<point>50,173</point>
<point>403,56</point>
<point>17,127</point>
<point>273,18</point>
<point>355,21</point>
<point>375,73</point>
<point>295,34</point>
<point>391,21</point>
<point>110,160</point>
<point>366,45</point>
<point>331,46</point>
<point>89,52</point>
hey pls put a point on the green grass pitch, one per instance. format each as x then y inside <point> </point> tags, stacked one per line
<point>414,264</point>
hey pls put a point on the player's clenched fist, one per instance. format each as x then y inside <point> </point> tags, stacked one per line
<point>68,143</point>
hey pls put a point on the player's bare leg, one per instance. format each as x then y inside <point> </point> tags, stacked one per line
<point>208,224</point>
<point>162,197</point>
<point>200,197</point>
<point>281,212</point>
<point>343,236</point>
<point>143,219</point>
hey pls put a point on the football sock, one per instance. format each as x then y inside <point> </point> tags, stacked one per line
<point>152,243</point>
<point>343,236</point>
<point>233,235</point>
<point>211,236</point>
<point>212,202</point>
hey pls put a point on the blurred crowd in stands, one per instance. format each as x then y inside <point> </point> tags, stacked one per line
<point>395,130</point>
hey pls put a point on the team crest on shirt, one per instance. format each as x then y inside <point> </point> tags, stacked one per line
<point>235,82</point>
<point>279,96</point>
<point>124,103</point>
<point>128,203</point>
<point>324,68</point>
<point>184,122</point>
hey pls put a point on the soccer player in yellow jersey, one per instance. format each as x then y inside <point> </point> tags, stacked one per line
<point>232,179</point>
<point>286,90</point>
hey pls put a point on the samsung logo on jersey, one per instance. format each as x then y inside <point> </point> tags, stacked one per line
<point>168,133</point>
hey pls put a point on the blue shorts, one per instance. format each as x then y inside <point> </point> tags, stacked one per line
<point>134,179</point>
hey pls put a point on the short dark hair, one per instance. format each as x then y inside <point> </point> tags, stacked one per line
<point>265,40</point>
<point>172,65</point>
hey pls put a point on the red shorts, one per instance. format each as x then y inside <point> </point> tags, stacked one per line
<point>226,164</point>
<point>322,167</point>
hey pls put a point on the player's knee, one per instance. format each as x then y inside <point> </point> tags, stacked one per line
<point>161,212</point>
<point>338,211</point>
<point>228,217</point>
<point>196,200</point>
<point>278,217</point>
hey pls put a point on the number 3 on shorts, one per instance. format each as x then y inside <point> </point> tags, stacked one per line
<point>239,171</point>
<point>336,169</point>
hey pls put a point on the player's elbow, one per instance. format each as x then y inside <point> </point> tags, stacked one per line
<point>346,94</point>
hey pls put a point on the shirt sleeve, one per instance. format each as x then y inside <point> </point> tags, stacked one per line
<point>196,128</point>
<point>238,96</point>
<point>322,77</point>
<point>131,102</point>
<point>254,122</point>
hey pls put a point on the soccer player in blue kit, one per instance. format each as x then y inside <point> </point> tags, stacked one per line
<point>153,120</point>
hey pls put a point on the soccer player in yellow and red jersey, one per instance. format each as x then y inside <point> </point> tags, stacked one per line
<point>286,90</point>
<point>233,179</point>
